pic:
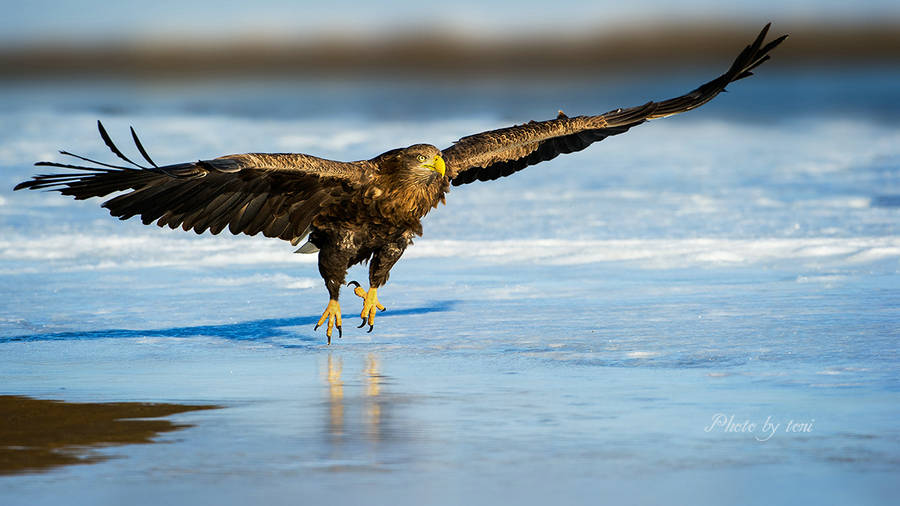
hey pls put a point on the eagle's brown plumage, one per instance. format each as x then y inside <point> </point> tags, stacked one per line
<point>351,211</point>
<point>490,155</point>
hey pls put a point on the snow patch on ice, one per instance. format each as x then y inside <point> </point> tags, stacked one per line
<point>85,252</point>
<point>276,280</point>
<point>641,354</point>
<point>338,142</point>
<point>665,253</point>
<point>517,292</point>
<point>826,279</point>
<point>875,254</point>
<point>837,203</point>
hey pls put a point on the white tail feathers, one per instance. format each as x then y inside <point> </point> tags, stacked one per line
<point>308,248</point>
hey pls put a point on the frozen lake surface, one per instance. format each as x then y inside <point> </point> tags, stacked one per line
<point>567,335</point>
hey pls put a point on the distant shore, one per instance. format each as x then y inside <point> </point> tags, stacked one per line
<point>435,56</point>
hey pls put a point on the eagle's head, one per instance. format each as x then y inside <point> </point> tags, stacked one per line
<point>421,160</point>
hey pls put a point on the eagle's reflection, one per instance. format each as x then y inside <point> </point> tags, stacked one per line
<point>341,406</point>
<point>335,396</point>
<point>372,401</point>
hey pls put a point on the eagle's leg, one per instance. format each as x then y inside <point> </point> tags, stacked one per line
<point>333,267</point>
<point>379,271</point>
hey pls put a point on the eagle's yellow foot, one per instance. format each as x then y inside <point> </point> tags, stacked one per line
<point>332,315</point>
<point>370,303</point>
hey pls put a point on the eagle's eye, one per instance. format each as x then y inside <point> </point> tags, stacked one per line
<point>421,158</point>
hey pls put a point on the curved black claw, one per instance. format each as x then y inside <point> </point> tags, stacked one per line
<point>316,327</point>
<point>371,327</point>
<point>363,324</point>
<point>354,283</point>
<point>340,332</point>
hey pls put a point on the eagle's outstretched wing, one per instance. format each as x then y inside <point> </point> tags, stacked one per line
<point>276,194</point>
<point>497,153</point>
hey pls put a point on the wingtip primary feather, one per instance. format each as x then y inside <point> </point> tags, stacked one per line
<point>112,146</point>
<point>762,35</point>
<point>137,142</point>
<point>73,155</point>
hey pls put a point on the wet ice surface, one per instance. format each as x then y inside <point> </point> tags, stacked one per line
<point>564,335</point>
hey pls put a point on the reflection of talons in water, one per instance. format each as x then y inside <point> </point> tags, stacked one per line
<point>373,389</point>
<point>370,403</point>
<point>335,397</point>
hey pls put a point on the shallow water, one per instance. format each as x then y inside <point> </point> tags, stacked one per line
<point>569,334</point>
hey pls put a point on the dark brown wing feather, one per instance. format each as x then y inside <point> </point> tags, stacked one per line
<point>276,194</point>
<point>497,153</point>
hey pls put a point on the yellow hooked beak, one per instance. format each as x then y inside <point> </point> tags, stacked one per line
<point>437,165</point>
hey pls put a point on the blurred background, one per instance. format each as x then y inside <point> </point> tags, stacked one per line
<point>499,62</point>
<point>462,43</point>
<point>410,38</point>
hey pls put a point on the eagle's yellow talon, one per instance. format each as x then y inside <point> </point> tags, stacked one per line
<point>370,303</point>
<point>357,289</point>
<point>332,316</point>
